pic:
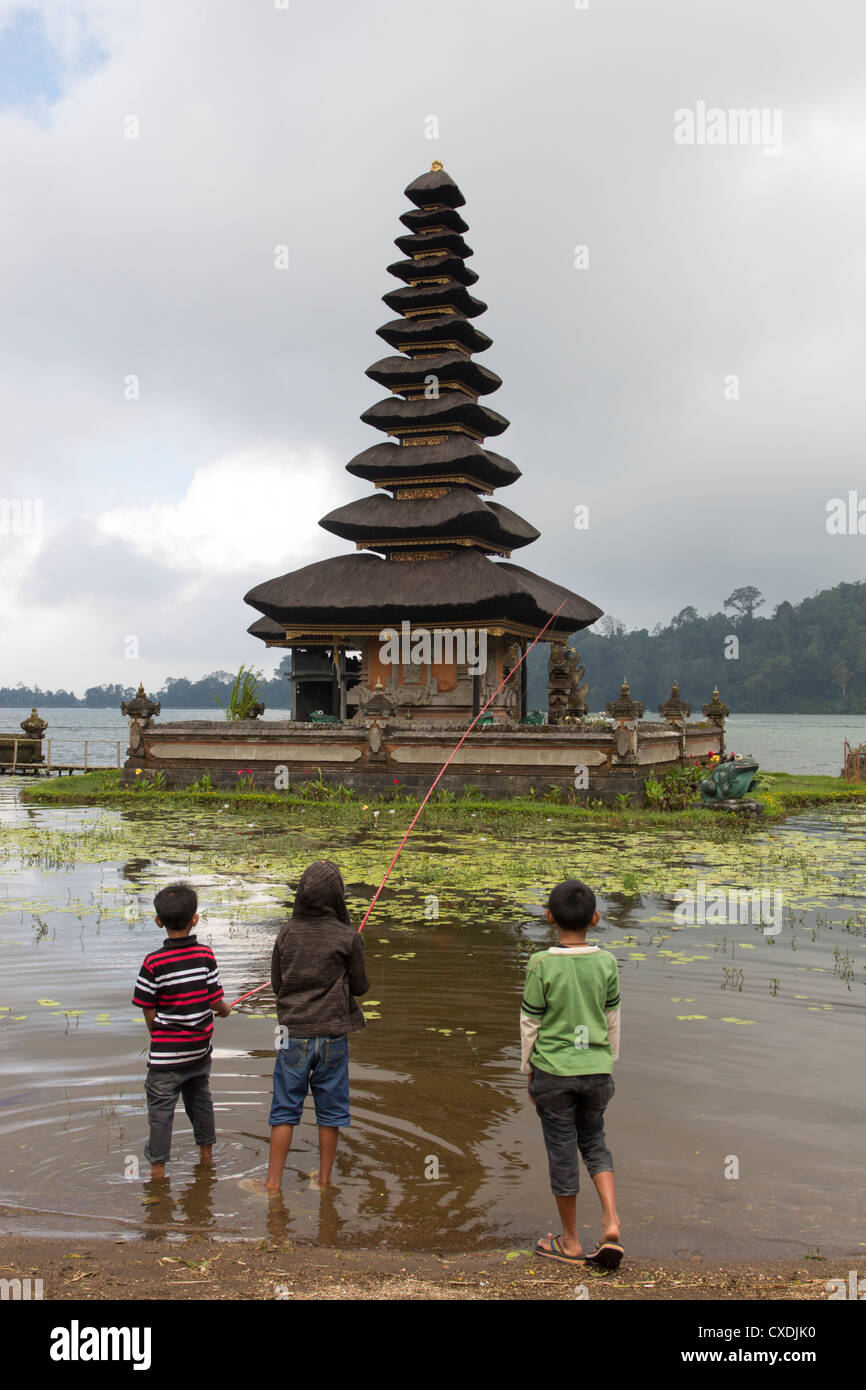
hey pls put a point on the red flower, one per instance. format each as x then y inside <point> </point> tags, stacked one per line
<point>396,781</point>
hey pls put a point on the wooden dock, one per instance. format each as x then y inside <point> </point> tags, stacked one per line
<point>47,766</point>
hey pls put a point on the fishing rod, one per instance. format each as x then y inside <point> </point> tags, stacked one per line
<point>433,785</point>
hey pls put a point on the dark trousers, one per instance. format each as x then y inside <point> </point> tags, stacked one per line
<point>163,1086</point>
<point>571,1110</point>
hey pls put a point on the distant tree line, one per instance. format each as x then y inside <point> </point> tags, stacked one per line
<point>177,693</point>
<point>806,658</point>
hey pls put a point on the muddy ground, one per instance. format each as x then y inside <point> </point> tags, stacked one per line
<point>207,1269</point>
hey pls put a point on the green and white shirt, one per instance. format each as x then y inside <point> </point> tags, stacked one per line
<point>570,1015</point>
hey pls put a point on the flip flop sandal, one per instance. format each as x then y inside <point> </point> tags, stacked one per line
<point>556,1252</point>
<point>608,1255</point>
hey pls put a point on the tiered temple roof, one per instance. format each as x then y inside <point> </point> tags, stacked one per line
<point>431,508</point>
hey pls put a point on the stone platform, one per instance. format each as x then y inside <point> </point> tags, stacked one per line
<point>375,757</point>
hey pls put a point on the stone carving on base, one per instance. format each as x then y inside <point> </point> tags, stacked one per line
<point>34,725</point>
<point>387,699</point>
<point>376,751</point>
<point>626,712</point>
<point>511,693</point>
<point>566,695</point>
<point>717,712</point>
<point>674,709</point>
<point>140,708</point>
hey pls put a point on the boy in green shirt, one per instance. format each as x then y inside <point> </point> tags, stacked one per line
<point>569,1031</point>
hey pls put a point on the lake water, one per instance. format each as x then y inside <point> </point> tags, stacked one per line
<point>733,1048</point>
<point>804,743</point>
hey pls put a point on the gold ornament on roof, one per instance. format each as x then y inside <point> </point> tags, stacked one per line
<point>436,166</point>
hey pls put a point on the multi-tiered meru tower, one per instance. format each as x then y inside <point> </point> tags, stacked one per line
<point>435,551</point>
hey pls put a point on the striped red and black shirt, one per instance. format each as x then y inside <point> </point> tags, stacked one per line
<point>182,983</point>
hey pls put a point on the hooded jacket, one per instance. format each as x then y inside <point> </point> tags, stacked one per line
<point>317,966</point>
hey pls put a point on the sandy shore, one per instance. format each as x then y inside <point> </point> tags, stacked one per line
<point>208,1269</point>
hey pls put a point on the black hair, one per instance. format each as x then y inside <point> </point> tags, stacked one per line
<point>572,905</point>
<point>176,905</point>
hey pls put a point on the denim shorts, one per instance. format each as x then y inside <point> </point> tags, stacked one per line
<point>320,1065</point>
<point>571,1110</point>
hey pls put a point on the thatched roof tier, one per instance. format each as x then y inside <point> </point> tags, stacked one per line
<point>437,333</point>
<point>434,189</point>
<point>419,220</point>
<point>436,531</point>
<point>451,408</point>
<point>415,299</point>
<point>402,374</point>
<point>351,591</point>
<point>433,268</point>
<point>422,243</point>
<point>457,456</point>
<point>267,630</point>
<point>458,514</point>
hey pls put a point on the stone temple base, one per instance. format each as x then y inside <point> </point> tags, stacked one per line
<point>403,756</point>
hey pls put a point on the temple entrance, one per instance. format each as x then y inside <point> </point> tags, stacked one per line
<point>316,695</point>
<point>317,684</point>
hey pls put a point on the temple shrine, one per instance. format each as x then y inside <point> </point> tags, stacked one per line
<point>434,550</point>
<point>398,645</point>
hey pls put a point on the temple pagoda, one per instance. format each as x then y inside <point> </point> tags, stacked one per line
<point>434,551</point>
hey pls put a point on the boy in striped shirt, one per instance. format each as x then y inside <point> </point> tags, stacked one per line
<point>569,1030</point>
<point>178,988</point>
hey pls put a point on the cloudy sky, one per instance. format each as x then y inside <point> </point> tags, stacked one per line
<point>695,380</point>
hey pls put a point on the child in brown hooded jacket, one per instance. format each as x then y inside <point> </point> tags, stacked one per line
<point>317,969</point>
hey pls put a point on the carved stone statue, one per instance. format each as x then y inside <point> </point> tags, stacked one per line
<point>566,696</point>
<point>730,780</point>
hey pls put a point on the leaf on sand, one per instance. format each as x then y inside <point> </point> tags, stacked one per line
<point>46,1002</point>
<point>739,1020</point>
<point>691,1018</point>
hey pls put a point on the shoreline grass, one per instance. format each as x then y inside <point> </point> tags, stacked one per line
<point>779,793</point>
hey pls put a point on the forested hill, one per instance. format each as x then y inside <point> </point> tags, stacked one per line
<point>807,658</point>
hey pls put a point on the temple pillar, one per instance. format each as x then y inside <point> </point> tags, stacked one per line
<point>293,691</point>
<point>341,673</point>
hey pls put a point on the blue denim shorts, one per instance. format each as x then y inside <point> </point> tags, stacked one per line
<point>320,1065</point>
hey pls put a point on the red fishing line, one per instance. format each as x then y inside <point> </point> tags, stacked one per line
<point>454,750</point>
<point>434,784</point>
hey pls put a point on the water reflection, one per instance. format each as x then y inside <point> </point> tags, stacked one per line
<point>733,1041</point>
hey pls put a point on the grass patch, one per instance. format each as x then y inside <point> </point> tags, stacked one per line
<point>780,793</point>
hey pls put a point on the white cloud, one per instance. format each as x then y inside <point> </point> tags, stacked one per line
<point>254,508</point>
